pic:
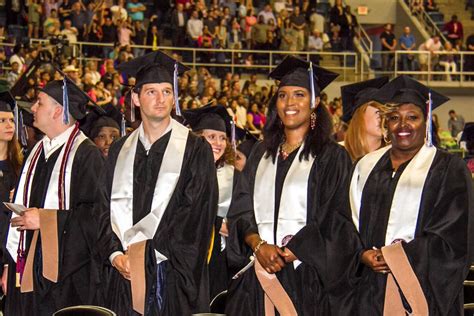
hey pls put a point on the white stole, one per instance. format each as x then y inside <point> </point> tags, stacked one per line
<point>51,200</point>
<point>121,200</point>
<point>225,180</point>
<point>293,209</point>
<point>407,197</point>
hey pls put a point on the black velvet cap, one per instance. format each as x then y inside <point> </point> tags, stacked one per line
<point>294,71</point>
<point>155,67</point>
<point>404,89</point>
<point>359,93</point>
<point>468,132</point>
<point>93,122</point>
<point>7,102</point>
<point>209,117</point>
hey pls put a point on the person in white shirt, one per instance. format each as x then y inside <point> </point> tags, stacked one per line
<point>195,28</point>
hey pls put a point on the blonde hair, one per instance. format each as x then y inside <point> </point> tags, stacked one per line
<point>355,138</point>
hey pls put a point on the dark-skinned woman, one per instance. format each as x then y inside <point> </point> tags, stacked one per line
<point>412,204</point>
<point>285,208</point>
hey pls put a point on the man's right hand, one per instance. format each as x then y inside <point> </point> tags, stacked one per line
<point>122,264</point>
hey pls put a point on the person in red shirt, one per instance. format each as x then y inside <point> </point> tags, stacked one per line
<point>454,30</point>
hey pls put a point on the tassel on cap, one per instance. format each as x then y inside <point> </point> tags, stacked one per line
<point>65,103</point>
<point>429,121</point>
<point>132,108</point>
<point>232,135</point>
<point>17,121</point>
<point>311,84</point>
<point>175,89</point>
<point>22,130</point>
<point>123,127</point>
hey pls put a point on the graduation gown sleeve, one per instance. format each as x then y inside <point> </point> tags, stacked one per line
<point>442,249</point>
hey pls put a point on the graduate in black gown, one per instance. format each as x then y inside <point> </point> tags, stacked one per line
<point>105,129</point>
<point>287,208</point>
<point>158,203</point>
<point>412,204</point>
<point>215,125</point>
<point>10,164</point>
<point>50,246</point>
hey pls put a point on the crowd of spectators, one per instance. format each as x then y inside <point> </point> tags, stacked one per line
<point>243,24</point>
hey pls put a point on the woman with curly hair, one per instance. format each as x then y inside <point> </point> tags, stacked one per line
<point>215,125</point>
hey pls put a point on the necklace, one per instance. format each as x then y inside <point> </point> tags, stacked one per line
<point>286,149</point>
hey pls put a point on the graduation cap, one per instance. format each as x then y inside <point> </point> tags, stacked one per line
<point>404,90</point>
<point>70,96</point>
<point>93,122</point>
<point>357,94</point>
<point>248,140</point>
<point>155,67</point>
<point>468,132</point>
<point>294,71</point>
<point>9,104</point>
<point>209,117</point>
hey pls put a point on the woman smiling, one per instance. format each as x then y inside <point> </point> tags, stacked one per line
<point>284,212</point>
<point>412,205</point>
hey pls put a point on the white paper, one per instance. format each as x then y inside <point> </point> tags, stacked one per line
<point>18,209</point>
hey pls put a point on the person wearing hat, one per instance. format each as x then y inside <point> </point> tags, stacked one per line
<point>104,130</point>
<point>467,142</point>
<point>363,115</point>
<point>248,140</point>
<point>49,244</point>
<point>215,125</point>
<point>413,207</point>
<point>158,202</point>
<point>11,159</point>
<point>284,212</point>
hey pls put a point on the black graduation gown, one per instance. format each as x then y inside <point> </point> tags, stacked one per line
<point>183,235</point>
<point>219,275</point>
<point>7,183</point>
<point>440,253</point>
<point>77,231</point>
<point>319,285</point>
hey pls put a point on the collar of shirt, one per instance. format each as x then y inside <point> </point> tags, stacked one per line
<point>144,140</point>
<point>51,145</point>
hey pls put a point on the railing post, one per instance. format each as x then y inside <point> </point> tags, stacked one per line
<point>428,79</point>
<point>345,65</point>
<point>194,58</point>
<point>461,68</point>
<point>395,66</point>
<point>232,61</point>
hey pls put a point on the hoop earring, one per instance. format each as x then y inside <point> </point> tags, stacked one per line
<point>386,139</point>
<point>312,120</point>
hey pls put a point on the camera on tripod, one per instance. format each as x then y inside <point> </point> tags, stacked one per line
<point>59,41</point>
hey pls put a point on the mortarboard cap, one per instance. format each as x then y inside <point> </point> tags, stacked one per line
<point>93,122</point>
<point>70,96</point>
<point>7,102</point>
<point>468,132</point>
<point>247,139</point>
<point>404,89</point>
<point>209,117</point>
<point>294,71</point>
<point>357,94</point>
<point>155,67</point>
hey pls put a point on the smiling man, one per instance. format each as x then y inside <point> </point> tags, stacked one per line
<point>158,203</point>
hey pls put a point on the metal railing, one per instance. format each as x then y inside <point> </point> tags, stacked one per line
<point>425,19</point>
<point>232,59</point>
<point>426,66</point>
